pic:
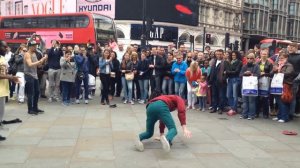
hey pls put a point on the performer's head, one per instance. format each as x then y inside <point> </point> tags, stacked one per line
<point>154,94</point>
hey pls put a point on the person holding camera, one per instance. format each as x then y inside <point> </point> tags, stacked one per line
<point>31,63</point>
<point>67,77</point>
<point>55,53</point>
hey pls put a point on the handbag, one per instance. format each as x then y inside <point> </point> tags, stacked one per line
<point>80,75</point>
<point>287,95</point>
<point>250,86</point>
<point>277,84</point>
<point>129,76</point>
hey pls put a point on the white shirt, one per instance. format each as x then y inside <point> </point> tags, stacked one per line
<point>120,54</point>
<point>218,62</point>
<point>154,59</point>
<point>107,68</point>
<point>7,58</point>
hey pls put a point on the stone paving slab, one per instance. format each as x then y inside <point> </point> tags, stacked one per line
<point>92,136</point>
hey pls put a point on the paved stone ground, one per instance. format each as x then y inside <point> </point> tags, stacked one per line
<point>88,136</point>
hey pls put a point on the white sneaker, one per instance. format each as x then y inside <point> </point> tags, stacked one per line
<point>275,119</point>
<point>132,102</point>
<point>77,101</point>
<point>165,143</point>
<point>203,109</point>
<point>57,99</point>
<point>90,97</point>
<point>193,108</point>
<point>142,101</point>
<point>50,100</point>
<point>138,144</point>
<point>281,121</point>
<point>125,102</point>
<point>86,102</point>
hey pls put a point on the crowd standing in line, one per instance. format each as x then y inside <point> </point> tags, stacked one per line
<point>209,80</point>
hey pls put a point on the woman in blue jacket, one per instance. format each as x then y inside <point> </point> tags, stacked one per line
<point>105,67</point>
<point>178,70</point>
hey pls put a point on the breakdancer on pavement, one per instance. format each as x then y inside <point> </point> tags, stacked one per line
<point>160,108</point>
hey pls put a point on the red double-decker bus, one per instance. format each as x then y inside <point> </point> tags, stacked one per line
<point>69,28</point>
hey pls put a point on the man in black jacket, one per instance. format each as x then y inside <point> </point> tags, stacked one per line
<point>156,66</point>
<point>54,55</point>
<point>218,82</point>
<point>294,59</point>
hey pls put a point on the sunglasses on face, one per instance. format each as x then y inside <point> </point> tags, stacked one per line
<point>250,58</point>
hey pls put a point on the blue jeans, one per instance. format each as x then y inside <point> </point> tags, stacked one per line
<point>127,88</point>
<point>179,89</point>
<point>232,92</point>
<point>144,86</point>
<point>284,109</point>
<point>85,84</point>
<point>66,91</point>
<point>167,83</point>
<point>218,96</point>
<point>32,90</point>
<point>249,106</point>
<point>202,102</point>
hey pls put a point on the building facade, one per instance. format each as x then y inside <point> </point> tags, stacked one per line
<point>278,19</point>
<point>217,16</point>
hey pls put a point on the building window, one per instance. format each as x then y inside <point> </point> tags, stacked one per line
<point>253,20</point>
<point>292,8</point>
<point>120,34</point>
<point>275,4</point>
<point>185,37</point>
<point>199,39</point>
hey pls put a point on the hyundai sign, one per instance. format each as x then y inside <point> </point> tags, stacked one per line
<point>103,7</point>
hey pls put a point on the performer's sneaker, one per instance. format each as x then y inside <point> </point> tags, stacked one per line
<point>138,144</point>
<point>165,143</point>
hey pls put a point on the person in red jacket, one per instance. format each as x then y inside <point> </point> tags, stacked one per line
<point>159,108</point>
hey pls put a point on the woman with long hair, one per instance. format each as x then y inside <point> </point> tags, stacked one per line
<point>144,76</point>
<point>115,73</point>
<point>19,62</point>
<point>105,67</point>
<point>136,95</point>
<point>126,68</point>
<point>193,75</point>
<point>234,80</point>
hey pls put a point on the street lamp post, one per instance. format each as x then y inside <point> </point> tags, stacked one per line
<point>143,36</point>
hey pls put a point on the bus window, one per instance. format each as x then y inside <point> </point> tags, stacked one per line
<point>104,27</point>
<point>7,23</point>
<point>51,22</point>
<point>18,23</point>
<point>81,21</point>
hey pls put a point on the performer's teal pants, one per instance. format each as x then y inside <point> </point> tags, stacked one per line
<point>159,110</point>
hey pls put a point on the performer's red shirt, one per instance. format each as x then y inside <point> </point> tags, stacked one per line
<point>173,102</point>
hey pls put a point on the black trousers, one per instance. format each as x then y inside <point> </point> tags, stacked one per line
<point>155,82</point>
<point>32,90</point>
<point>136,89</point>
<point>119,85</point>
<point>105,80</point>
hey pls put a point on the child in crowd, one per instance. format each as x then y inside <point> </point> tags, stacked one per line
<point>202,92</point>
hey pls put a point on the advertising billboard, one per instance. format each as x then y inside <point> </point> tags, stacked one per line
<point>104,7</point>
<point>173,11</point>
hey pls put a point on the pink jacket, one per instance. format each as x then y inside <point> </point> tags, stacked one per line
<point>202,89</point>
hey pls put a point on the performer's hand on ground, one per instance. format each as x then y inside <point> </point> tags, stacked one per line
<point>187,133</point>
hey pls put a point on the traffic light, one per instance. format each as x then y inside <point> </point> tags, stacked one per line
<point>227,39</point>
<point>192,38</point>
<point>149,24</point>
<point>208,38</point>
<point>236,45</point>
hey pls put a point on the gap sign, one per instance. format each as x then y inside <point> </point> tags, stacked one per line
<point>161,33</point>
